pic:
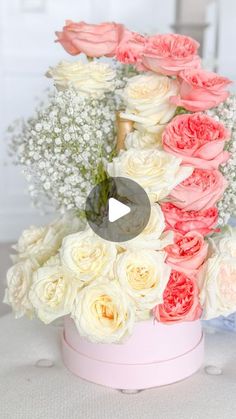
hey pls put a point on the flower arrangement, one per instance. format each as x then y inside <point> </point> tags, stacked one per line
<point>179,148</point>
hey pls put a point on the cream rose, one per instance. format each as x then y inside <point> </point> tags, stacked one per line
<point>19,280</point>
<point>147,100</point>
<point>93,78</point>
<point>86,257</point>
<point>156,171</point>
<point>103,312</point>
<point>40,243</point>
<point>144,140</point>
<point>52,293</point>
<point>143,275</point>
<point>152,237</point>
<point>218,286</point>
<point>225,242</point>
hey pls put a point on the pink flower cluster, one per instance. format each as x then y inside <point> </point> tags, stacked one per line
<point>169,54</point>
<point>199,140</point>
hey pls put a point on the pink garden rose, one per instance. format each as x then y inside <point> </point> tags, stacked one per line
<point>199,191</point>
<point>182,222</point>
<point>130,49</point>
<point>180,300</point>
<point>93,40</point>
<point>187,253</point>
<point>201,90</point>
<point>198,139</point>
<point>169,54</point>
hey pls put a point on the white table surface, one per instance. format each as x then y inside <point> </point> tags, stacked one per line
<point>30,392</point>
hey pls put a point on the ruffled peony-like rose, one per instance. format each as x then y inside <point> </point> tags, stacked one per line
<point>181,300</point>
<point>171,53</point>
<point>198,139</point>
<point>93,40</point>
<point>103,312</point>
<point>143,275</point>
<point>181,221</point>
<point>131,47</point>
<point>156,171</point>
<point>201,90</point>
<point>89,79</point>
<point>200,191</point>
<point>147,100</point>
<point>187,253</point>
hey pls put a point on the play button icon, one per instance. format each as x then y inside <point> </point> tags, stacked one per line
<point>117,209</point>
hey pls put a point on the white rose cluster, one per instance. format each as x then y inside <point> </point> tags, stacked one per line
<point>89,79</point>
<point>37,247</point>
<point>104,286</point>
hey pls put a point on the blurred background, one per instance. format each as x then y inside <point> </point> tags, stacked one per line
<point>27,49</point>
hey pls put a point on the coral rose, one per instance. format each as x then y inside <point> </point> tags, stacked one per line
<point>93,40</point>
<point>198,139</point>
<point>201,90</point>
<point>131,47</point>
<point>181,300</point>
<point>200,191</point>
<point>171,53</point>
<point>187,253</point>
<point>182,221</point>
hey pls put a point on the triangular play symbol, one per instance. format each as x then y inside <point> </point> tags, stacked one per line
<point>116,210</point>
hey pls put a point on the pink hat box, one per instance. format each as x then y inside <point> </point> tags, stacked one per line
<point>155,355</point>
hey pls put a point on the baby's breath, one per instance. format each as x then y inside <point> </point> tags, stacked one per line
<point>226,113</point>
<point>63,147</point>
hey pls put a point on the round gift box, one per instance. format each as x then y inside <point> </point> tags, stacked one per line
<point>155,355</point>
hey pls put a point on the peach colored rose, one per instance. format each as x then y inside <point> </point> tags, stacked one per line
<point>180,300</point>
<point>130,49</point>
<point>182,221</point>
<point>187,253</point>
<point>198,139</point>
<point>201,90</point>
<point>200,191</point>
<point>169,54</point>
<point>93,40</point>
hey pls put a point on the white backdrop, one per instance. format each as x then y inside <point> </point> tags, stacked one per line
<point>27,49</point>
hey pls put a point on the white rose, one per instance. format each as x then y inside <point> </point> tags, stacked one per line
<point>156,171</point>
<point>144,139</point>
<point>218,278</point>
<point>40,243</point>
<point>19,280</point>
<point>93,78</point>
<point>147,98</point>
<point>225,242</point>
<point>143,275</point>
<point>152,237</point>
<point>52,293</point>
<point>86,257</point>
<point>103,312</point>
<point>218,286</point>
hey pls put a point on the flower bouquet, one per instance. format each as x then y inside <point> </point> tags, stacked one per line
<point>154,116</point>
